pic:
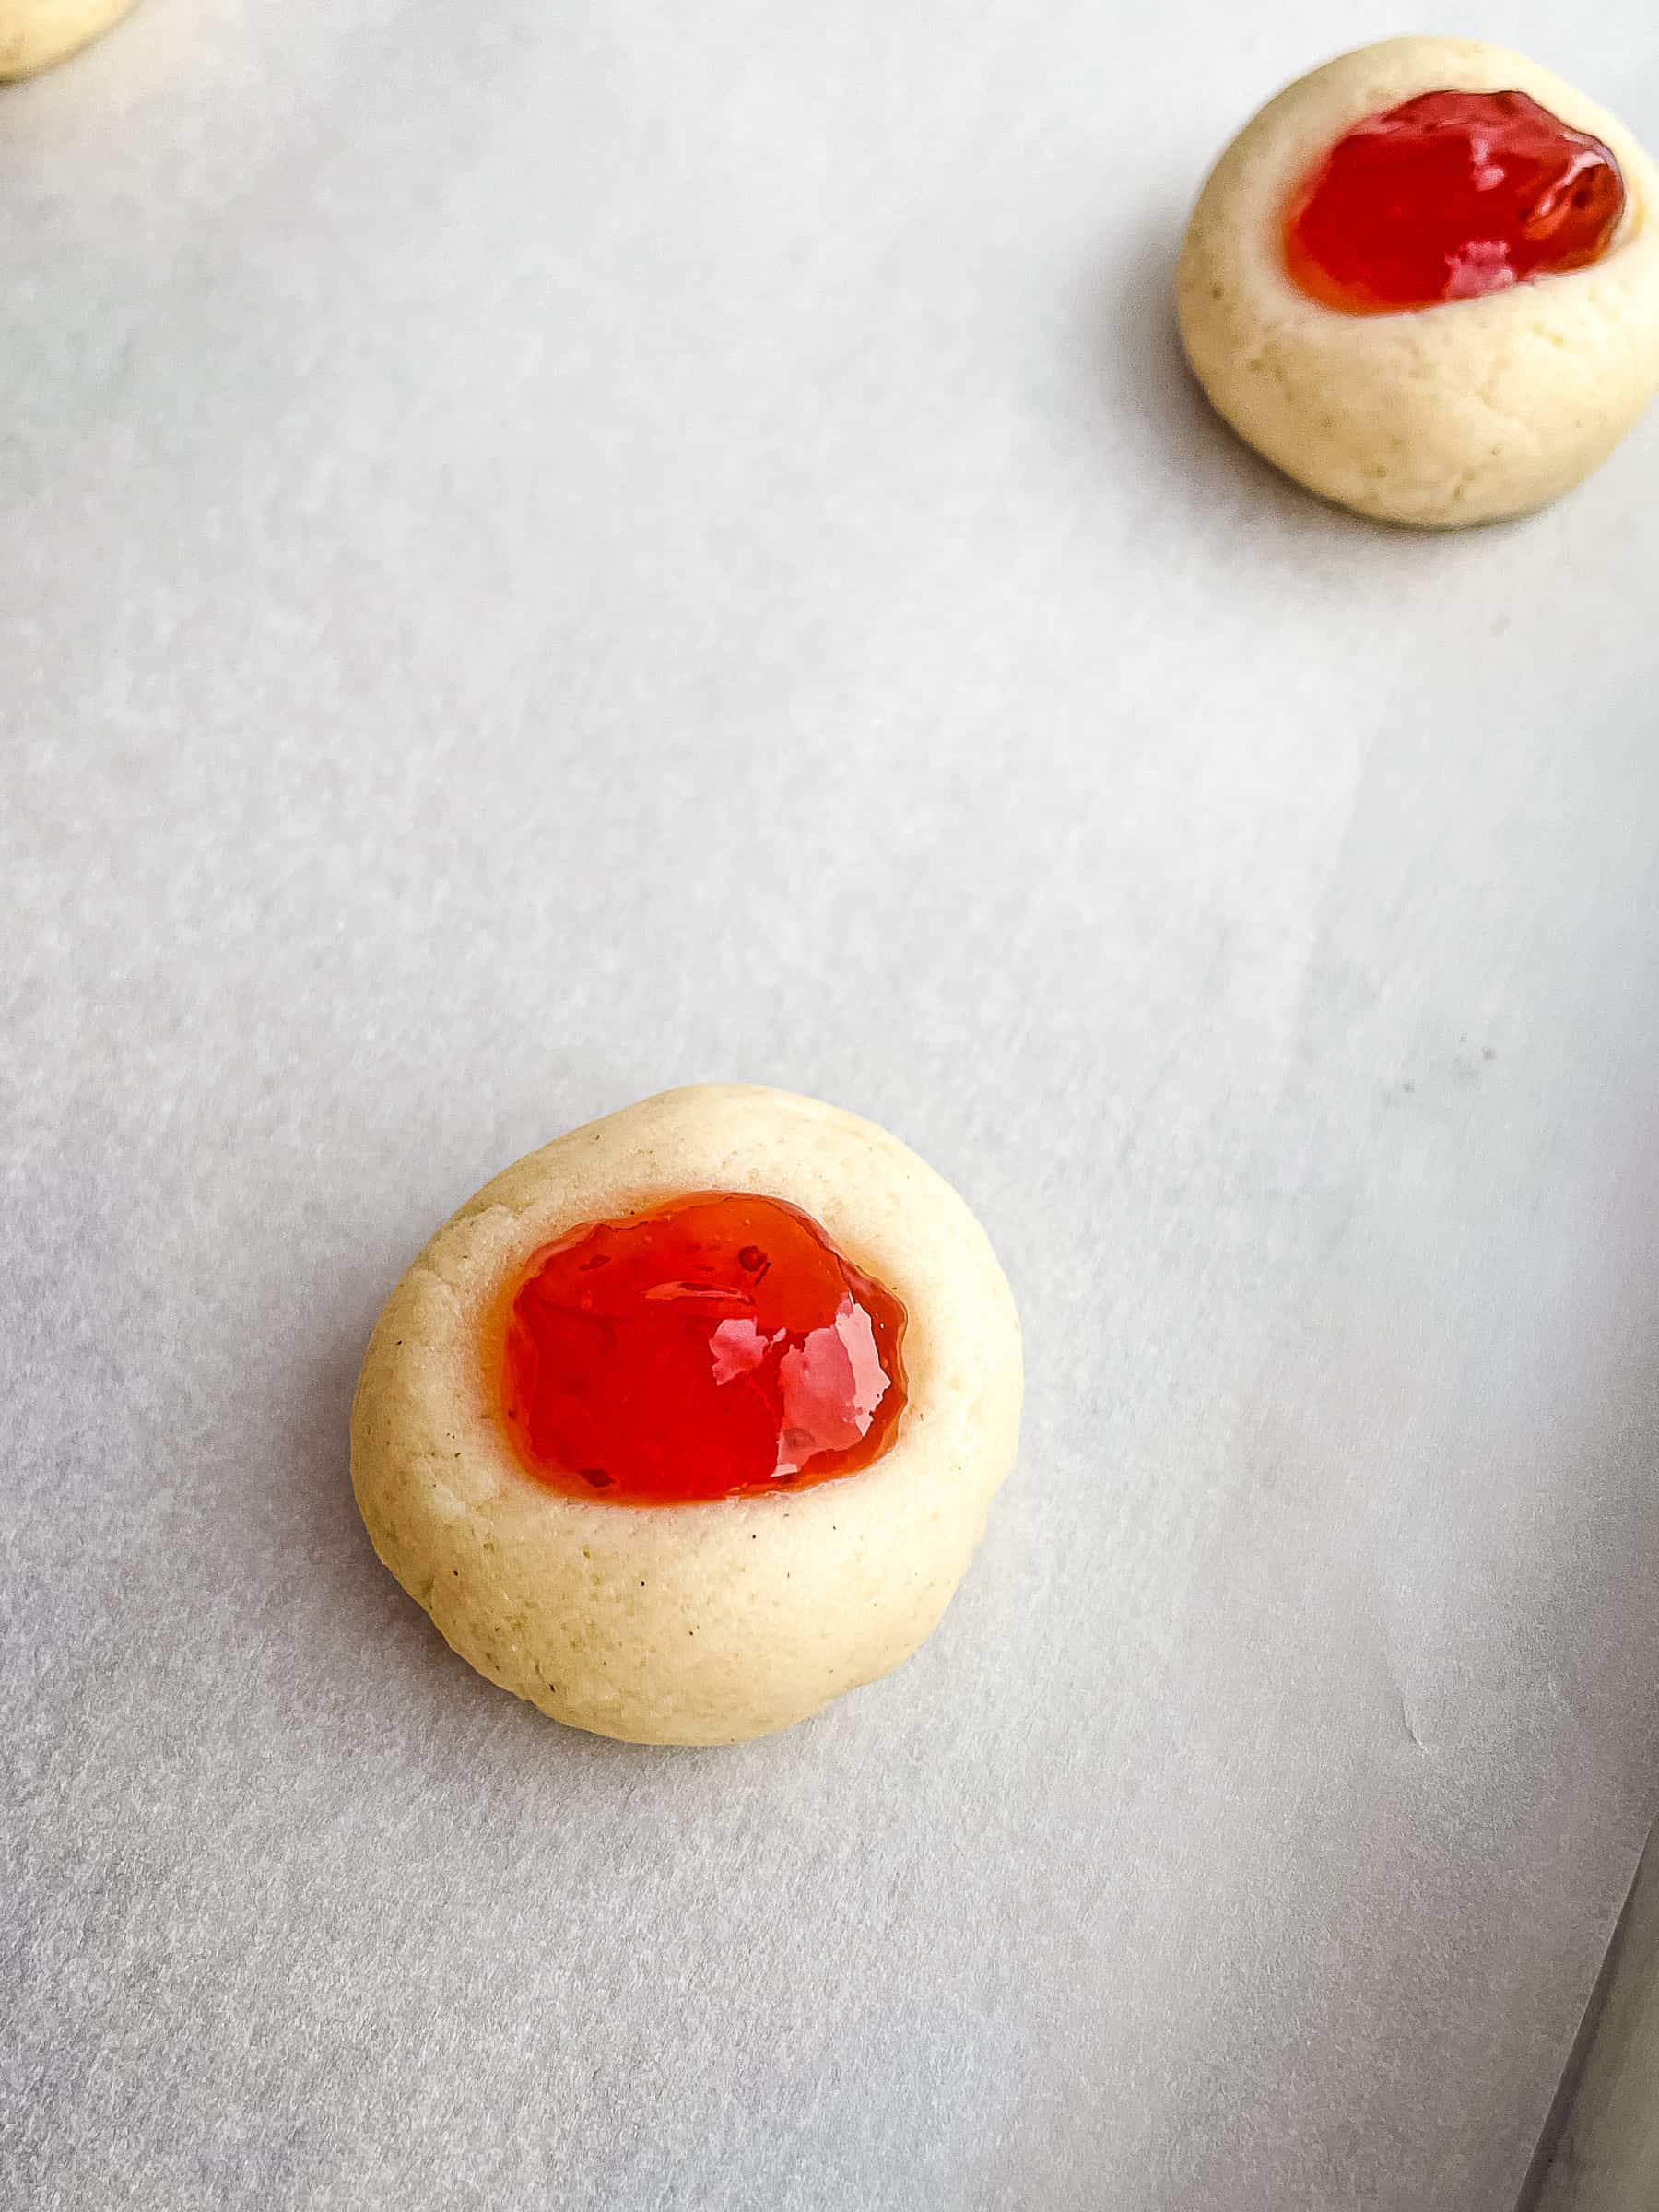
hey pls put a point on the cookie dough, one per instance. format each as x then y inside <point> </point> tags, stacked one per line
<point>688,1623</point>
<point>35,33</point>
<point>1463,412</point>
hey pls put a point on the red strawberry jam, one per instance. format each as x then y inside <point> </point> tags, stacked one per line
<point>714,1346</point>
<point>1450,195</point>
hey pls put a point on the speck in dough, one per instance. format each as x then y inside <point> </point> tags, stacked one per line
<point>688,1623</point>
<point>1464,412</point>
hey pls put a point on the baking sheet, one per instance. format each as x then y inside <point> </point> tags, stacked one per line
<point>1604,2157</point>
<point>556,551</point>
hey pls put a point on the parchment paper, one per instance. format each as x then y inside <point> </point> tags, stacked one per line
<point>557,550</point>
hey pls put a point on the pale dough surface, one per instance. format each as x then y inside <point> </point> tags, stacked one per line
<point>35,33</point>
<point>698,1623</point>
<point>1460,413</point>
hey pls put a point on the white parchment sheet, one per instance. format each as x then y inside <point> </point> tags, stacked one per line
<point>552,550</point>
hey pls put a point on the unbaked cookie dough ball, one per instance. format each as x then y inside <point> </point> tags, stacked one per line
<point>35,33</point>
<point>689,1421</point>
<point>1424,281</point>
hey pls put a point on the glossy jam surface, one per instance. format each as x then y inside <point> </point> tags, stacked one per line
<point>1450,195</point>
<point>713,1347</point>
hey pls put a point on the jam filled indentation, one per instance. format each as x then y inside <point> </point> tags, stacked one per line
<point>713,1347</point>
<point>1450,195</point>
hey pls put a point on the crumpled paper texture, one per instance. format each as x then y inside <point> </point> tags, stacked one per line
<point>555,552</point>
